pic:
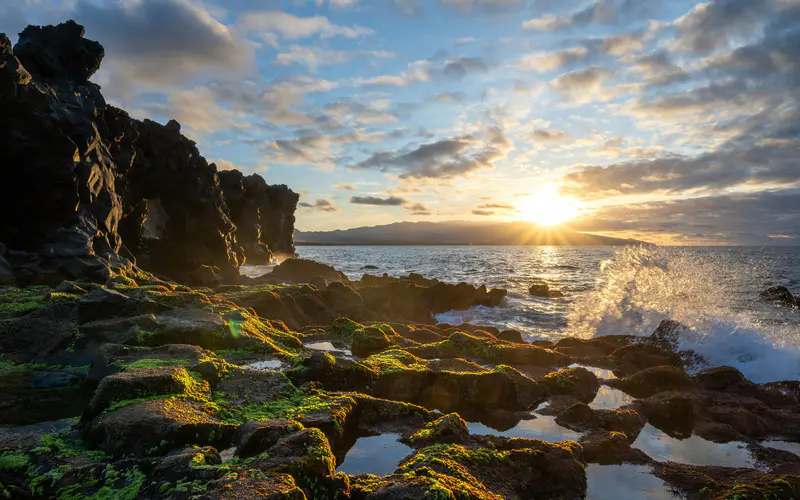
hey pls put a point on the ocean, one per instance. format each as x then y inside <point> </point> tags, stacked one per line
<point>714,291</point>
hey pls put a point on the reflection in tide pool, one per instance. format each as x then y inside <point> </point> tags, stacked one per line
<point>268,364</point>
<point>609,398</point>
<point>782,445</point>
<point>615,482</point>
<point>694,450</point>
<point>327,347</point>
<point>598,372</point>
<point>377,455</point>
<point>542,427</point>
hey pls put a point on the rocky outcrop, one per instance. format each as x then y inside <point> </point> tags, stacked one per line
<point>88,191</point>
<point>263,214</point>
<point>781,295</point>
<point>58,199</point>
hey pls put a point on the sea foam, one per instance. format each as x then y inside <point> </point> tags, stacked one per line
<point>641,286</point>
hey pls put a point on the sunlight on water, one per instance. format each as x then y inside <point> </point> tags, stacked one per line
<point>377,455</point>
<point>693,450</point>
<point>616,482</point>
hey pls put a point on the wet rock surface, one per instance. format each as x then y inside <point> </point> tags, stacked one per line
<point>162,397</point>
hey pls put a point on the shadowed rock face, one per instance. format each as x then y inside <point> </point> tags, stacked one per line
<point>58,199</point>
<point>88,190</point>
<point>263,214</point>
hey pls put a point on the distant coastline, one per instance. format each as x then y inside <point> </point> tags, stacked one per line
<point>458,233</point>
<point>464,244</point>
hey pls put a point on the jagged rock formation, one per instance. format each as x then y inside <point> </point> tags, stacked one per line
<point>263,214</point>
<point>87,191</point>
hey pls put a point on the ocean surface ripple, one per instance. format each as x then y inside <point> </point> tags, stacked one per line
<point>609,291</point>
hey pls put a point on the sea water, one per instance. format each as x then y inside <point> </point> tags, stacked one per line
<point>612,290</point>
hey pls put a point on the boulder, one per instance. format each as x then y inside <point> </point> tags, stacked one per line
<point>369,340</point>
<point>653,380</point>
<point>543,290</point>
<point>303,271</point>
<point>157,425</point>
<point>781,295</point>
<point>253,438</point>
<point>577,382</point>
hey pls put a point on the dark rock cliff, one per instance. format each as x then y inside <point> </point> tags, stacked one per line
<point>263,214</point>
<point>87,191</point>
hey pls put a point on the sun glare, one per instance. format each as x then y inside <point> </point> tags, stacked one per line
<point>548,208</point>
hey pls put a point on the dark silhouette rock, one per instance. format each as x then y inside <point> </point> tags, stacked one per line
<point>543,290</point>
<point>263,214</point>
<point>781,295</point>
<point>88,191</point>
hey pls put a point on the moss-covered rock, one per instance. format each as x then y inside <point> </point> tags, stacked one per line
<point>489,349</point>
<point>577,382</point>
<point>143,383</point>
<point>449,428</point>
<point>369,340</point>
<point>653,380</point>
<point>633,358</point>
<point>156,426</point>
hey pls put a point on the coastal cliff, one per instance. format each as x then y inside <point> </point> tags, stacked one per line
<point>89,192</point>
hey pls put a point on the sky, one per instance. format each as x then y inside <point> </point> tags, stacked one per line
<point>673,122</point>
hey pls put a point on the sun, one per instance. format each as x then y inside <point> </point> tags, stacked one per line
<point>548,208</point>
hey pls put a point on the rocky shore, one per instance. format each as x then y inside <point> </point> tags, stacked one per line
<point>136,363</point>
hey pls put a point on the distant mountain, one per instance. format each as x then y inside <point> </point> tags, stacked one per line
<point>457,233</point>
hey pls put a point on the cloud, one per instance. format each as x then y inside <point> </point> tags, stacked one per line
<point>746,165</point>
<point>428,70</point>
<point>543,135</point>
<point>497,206</point>
<point>658,69</point>
<point>738,219</point>
<point>314,57</point>
<point>581,86</point>
<point>449,96</point>
<point>360,113</point>
<point>273,101</point>
<point>618,45</point>
<point>549,61</point>
<point>181,105</point>
<point>487,5</point>
<point>484,212</point>
<point>271,25</point>
<point>599,12</point>
<point>391,201</point>
<point>409,7</point>
<point>225,165</point>
<point>317,150</point>
<point>443,159</point>
<point>346,187</point>
<point>162,42</point>
<point>320,204</point>
<point>711,25</point>
<point>418,209</point>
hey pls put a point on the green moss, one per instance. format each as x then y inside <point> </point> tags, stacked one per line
<point>65,444</point>
<point>443,425</point>
<point>154,363</point>
<point>111,485</point>
<point>394,361</point>
<point>6,366</point>
<point>344,327</point>
<point>16,301</point>
<point>13,461</point>
<point>295,404</point>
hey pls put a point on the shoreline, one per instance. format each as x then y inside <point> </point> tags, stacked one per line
<point>268,386</point>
